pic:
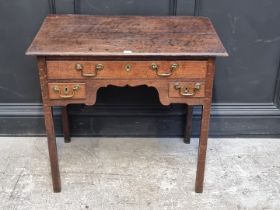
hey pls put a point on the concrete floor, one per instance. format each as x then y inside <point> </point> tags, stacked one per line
<point>126,173</point>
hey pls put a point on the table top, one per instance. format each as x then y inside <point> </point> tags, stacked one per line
<point>87,35</point>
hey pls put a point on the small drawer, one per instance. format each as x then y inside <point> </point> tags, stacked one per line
<point>126,69</point>
<point>67,90</point>
<point>186,89</point>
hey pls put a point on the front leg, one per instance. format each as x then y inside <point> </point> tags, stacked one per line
<point>52,148</point>
<point>202,147</point>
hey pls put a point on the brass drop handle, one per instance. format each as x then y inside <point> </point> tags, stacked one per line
<point>186,91</point>
<point>173,67</point>
<point>98,67</point>
<point>65,93</point>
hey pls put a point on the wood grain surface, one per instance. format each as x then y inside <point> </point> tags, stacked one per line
<point>79,35</point>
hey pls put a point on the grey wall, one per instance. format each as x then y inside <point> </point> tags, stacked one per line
<point>246,91</point>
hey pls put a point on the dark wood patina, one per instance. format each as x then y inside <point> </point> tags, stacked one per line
<point>78,54</point>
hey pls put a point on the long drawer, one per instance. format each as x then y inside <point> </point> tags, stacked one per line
<point>126,69</point>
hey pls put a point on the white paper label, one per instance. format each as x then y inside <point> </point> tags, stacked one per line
<point>127,51</point>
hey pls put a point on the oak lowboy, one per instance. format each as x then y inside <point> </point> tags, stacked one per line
<point>78,54</point>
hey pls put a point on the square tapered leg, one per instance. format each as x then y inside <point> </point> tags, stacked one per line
<point>52,148</point>
<point>65,124</point>
<point>202,147</point>
<point>188,125</point>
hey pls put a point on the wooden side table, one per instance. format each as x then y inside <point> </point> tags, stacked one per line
<point>78,54</point>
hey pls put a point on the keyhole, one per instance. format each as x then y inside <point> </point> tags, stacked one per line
<point>186,90</point>
<point>128,67</point>
<point>66,90</point>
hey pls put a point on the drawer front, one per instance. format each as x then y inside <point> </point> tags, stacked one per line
<point>186,89</point>
<point>67,90</point>
<point>126,69</point>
